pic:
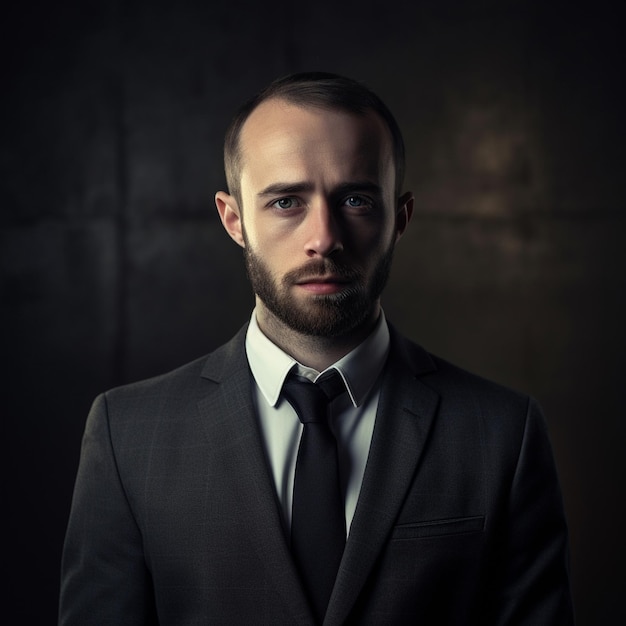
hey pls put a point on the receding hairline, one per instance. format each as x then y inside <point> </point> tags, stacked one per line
<point>367,113</point>
<point>319,91</point>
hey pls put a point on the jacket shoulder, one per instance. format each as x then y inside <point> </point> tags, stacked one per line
<point>187,382</point>
<point>469,382</point>
<point>458,388</point>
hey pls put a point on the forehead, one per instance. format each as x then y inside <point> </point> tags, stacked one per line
<point>282,138</point>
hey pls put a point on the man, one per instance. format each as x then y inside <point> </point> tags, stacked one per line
<point>202,498</point>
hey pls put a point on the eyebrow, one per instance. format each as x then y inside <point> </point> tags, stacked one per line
<point>278,189</point>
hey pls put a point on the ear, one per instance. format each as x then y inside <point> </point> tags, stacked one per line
<point>404,212</point>
<point>230,215</point>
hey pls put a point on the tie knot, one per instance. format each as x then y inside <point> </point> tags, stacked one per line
<point>311,400</point>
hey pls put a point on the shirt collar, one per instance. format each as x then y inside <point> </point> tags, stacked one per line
<point>359,368</point>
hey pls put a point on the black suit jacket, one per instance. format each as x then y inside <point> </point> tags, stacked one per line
<point>175,519</point>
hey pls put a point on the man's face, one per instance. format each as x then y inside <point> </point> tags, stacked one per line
<point>318,220</point>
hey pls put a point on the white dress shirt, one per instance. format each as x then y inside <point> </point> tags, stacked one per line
<point>352,414</point>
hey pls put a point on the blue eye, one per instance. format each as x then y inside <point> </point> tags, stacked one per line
<point>285,203</point>
<point>355,201</point>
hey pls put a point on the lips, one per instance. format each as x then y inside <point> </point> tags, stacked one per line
<point>322,280</point>
<point>322,284</point>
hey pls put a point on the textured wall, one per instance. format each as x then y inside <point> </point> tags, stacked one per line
<point>114,265</point>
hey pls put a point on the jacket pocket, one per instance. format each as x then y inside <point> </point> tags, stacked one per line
<point>435,528</point>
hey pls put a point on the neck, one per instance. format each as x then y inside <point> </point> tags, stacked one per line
<point>316,352</point>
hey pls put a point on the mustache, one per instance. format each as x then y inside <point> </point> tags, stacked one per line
<point>319,269</point>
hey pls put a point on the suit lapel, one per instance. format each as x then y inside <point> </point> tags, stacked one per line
<point>232,429</point>
<point>405,413</point>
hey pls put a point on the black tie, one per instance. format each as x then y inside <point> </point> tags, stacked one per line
<point>318,525</point>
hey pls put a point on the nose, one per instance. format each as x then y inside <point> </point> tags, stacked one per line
<point>323,235</point>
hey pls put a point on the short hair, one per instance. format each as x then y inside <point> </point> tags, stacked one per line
<point>321,90</point>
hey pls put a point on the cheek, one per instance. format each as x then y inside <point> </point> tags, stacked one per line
<point>275,254</point>
<point>274,247</point>
<point>266,233</point>
<point>370,240</point>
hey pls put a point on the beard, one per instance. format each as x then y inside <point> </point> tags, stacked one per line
<point>322,315</point>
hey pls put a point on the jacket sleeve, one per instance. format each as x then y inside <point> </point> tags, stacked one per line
<point>534,589</point>
<point>104,578</point>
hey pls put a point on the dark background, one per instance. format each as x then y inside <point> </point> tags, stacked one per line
<point>114,265</point>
